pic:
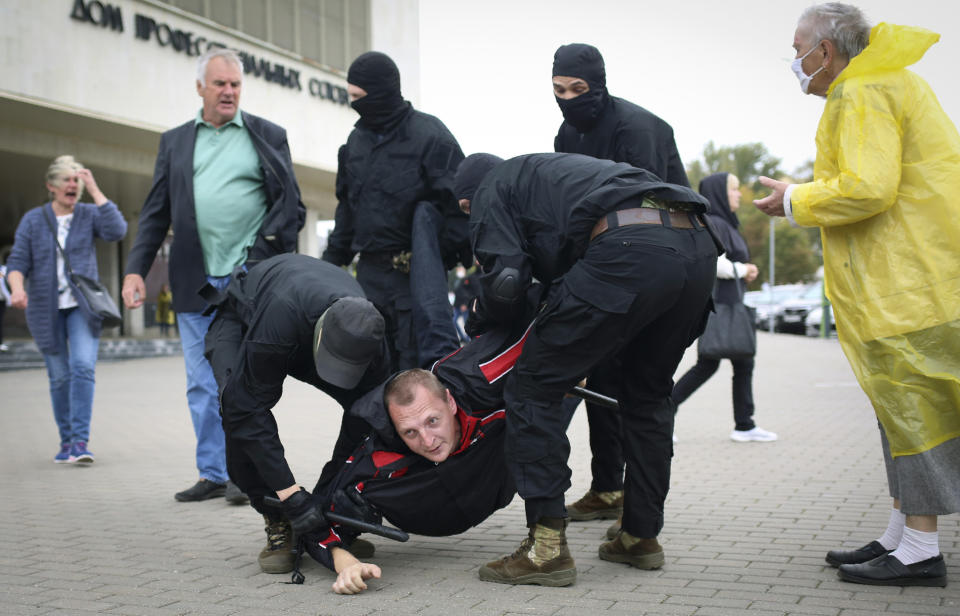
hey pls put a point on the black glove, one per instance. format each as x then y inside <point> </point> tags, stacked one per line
<point>303,512</point>
<point>478,320</point>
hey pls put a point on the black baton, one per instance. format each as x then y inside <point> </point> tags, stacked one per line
<point>367,527</point>
<point>377,529</point>
<point>594,397</point>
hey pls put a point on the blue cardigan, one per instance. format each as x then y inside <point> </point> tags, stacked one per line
<point>35,256</point>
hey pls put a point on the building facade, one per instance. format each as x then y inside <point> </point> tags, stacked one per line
<point>103,79</point>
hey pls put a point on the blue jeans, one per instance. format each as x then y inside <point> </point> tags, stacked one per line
<point>202,395</point>
<point>71,373</point>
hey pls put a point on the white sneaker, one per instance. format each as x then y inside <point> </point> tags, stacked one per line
<point>4,348</point>
<point>757,434</point>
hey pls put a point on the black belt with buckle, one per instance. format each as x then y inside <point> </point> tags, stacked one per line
<point>649,215</point>
<point>399,261</point>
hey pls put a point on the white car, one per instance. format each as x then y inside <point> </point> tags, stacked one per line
<point>811,324</point>
<point>767,304</point>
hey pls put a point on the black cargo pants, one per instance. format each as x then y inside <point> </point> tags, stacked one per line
<point>640,294</point>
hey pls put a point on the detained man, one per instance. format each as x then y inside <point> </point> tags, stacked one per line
<point>434,462</point>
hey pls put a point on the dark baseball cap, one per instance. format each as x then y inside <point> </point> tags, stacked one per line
<point>347,337</point>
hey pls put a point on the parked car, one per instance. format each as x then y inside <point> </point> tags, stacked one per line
<point>793,312</point>
<point>767,303</point>
<point>812,322</point>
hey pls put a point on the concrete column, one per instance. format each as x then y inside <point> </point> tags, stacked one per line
<point>309,244</point>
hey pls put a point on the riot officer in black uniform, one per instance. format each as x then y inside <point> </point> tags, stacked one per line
<point>291,315</point>
<point>396,209</point>
<point>630,268</point>
<point>604,126</point>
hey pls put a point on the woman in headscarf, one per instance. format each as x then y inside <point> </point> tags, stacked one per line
<point>723,192</point>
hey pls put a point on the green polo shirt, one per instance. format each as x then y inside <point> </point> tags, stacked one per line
<point>227,192</point>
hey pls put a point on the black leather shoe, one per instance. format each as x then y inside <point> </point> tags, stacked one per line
<point>234,495</point>
<point>886,570</point>
<point>835,558</point>
<point>202,490</point>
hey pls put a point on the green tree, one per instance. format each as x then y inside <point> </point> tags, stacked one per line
<point>747,161</point>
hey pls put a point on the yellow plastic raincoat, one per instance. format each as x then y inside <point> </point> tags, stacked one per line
<point>886,196</point>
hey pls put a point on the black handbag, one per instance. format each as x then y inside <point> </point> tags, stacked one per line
<point>729,333</point>
<point>92,297</point>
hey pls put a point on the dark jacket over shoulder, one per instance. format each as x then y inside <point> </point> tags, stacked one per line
<point>381,179</point>
<point>534,213</point>
<point>628,133</point>
<point>170,205</point>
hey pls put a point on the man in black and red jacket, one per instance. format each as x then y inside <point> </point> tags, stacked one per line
<point>434,464</point>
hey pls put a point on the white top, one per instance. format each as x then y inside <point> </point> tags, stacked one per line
<point>65,299</point>
<point>728,269</point>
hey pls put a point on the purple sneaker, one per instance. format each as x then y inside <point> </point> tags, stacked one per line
<point>64,456</point>
<point>79,453</point>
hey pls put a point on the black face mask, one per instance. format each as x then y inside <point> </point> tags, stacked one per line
<point>584,111</point>
<point>383,104</point>
<point>376,110</point>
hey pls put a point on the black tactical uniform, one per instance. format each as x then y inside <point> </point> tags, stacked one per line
<point>394,187</point>
<point>618,130</point>
<point>627,279</point>
<point>383,479</point>
<point>263,332</point>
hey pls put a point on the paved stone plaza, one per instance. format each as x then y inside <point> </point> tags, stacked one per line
<point>747,524</point>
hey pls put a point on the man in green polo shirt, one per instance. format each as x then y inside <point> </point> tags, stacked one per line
<point>224,184</point>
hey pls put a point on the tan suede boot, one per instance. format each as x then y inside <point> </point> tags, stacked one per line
<point>543,558</point>
<point>597,506</point>
<point>635,551</point>
<point>277,556</point>
<point>614,528</point>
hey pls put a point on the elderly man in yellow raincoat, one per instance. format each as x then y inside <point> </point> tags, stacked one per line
<point>886,196</point>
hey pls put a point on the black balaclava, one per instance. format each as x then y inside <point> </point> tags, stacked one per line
<point>714,188</point>
<point>471,172</point>
<point>585,62</point>
<point>376,73</point>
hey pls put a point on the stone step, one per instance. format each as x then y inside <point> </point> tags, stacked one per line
<point>24,354</point>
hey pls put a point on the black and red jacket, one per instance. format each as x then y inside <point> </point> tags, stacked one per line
<point>383,479</point>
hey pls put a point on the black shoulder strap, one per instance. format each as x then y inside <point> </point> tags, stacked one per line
<point>53,229</point>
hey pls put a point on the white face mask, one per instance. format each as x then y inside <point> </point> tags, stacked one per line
<point>797,67</point>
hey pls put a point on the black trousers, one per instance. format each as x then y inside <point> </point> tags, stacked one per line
<point>389,290</point>
<point>606,444</point>
<point>742,387</point>
<point>418,314</point>
<point>669,274</point>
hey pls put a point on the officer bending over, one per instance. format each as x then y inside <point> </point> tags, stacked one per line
<point>631,268</point>
<point>291,315</point>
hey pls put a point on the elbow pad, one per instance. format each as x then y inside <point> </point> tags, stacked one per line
<point>505,287</point>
